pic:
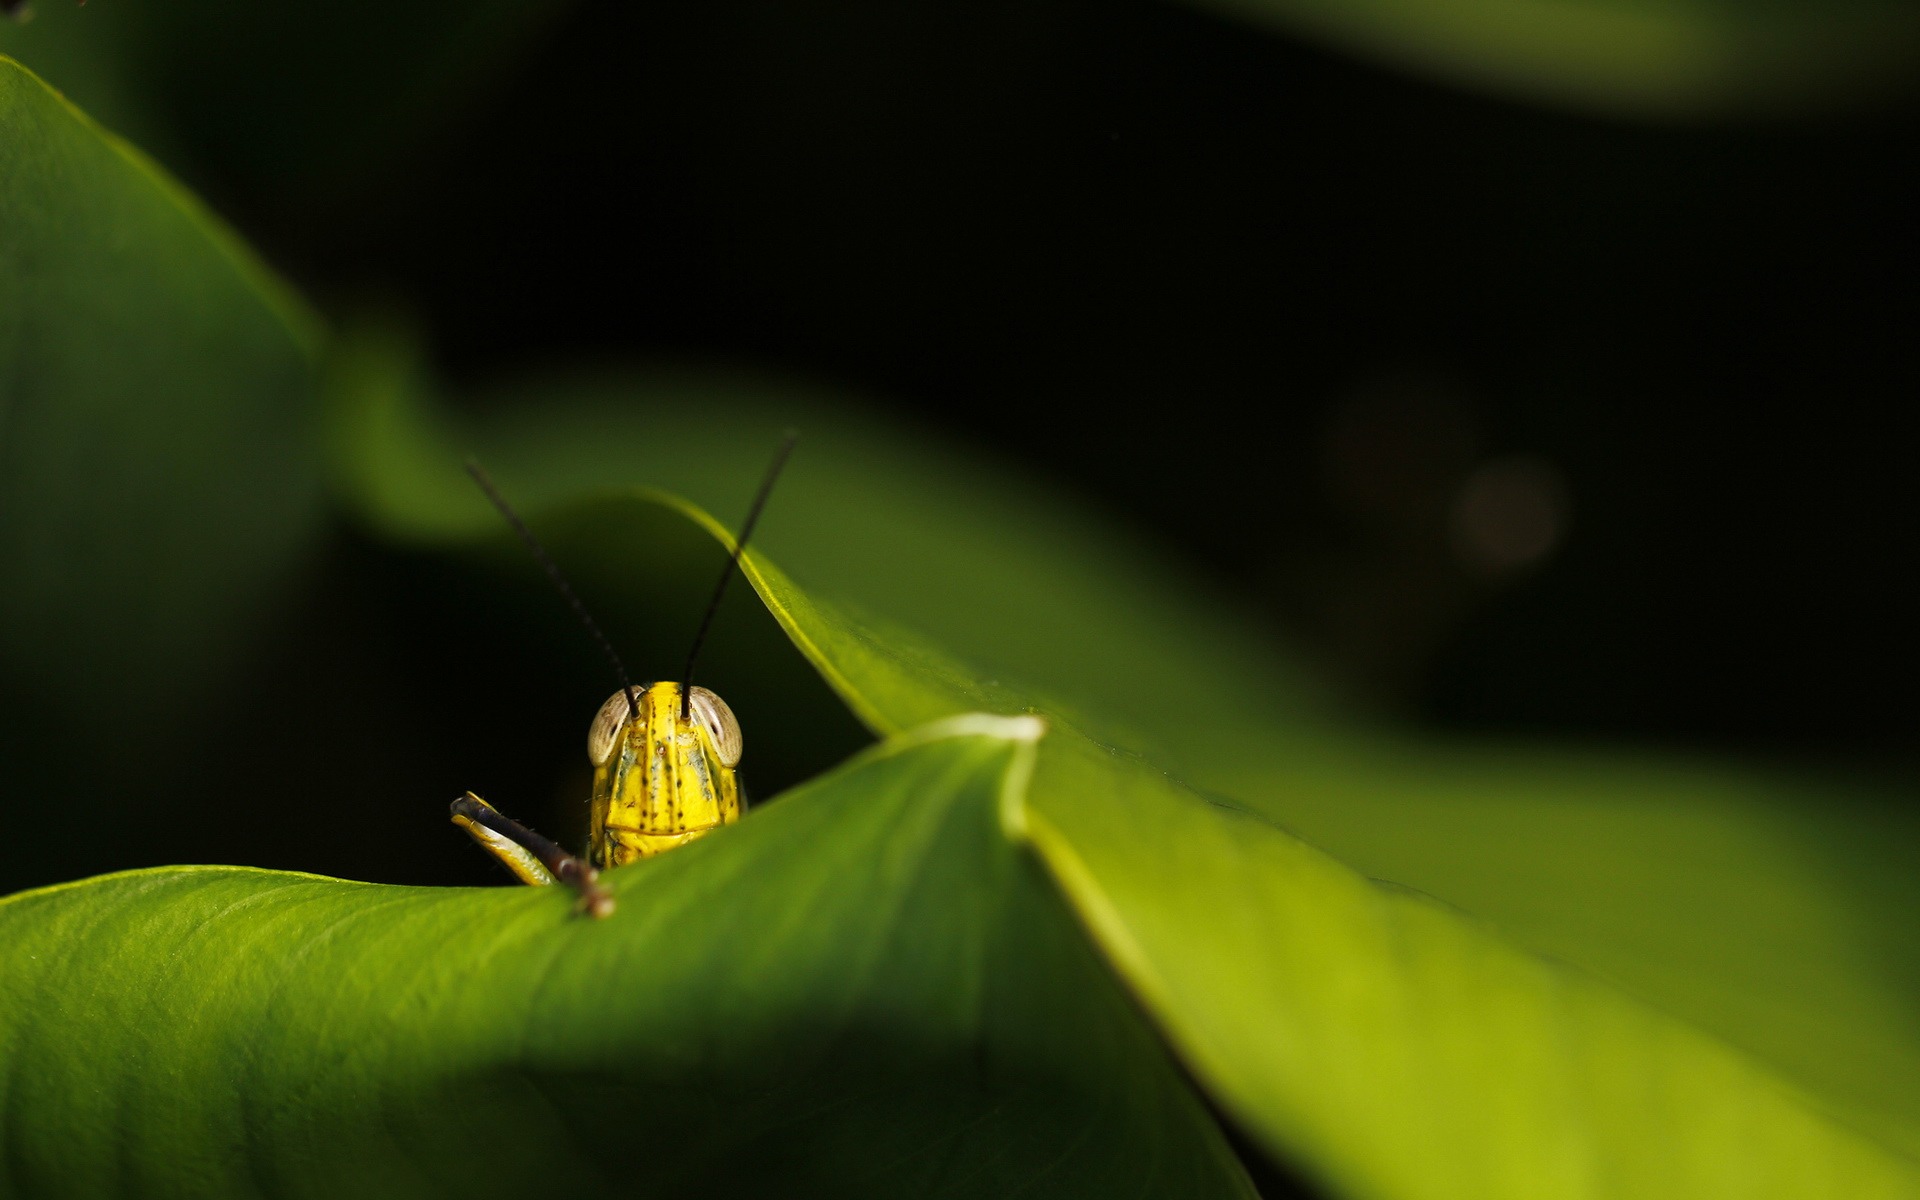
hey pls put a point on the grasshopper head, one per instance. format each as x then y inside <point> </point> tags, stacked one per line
<point>708,712</point>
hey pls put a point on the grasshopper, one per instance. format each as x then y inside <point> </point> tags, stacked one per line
<point>663,755</point>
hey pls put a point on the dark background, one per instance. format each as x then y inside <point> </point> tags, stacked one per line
<point>1269,305</point>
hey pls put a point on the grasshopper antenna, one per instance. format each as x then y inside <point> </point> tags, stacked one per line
<point>540,556</point>
<point>733,564</point>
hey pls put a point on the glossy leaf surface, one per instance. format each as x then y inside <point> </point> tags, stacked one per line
<point>864,990</point>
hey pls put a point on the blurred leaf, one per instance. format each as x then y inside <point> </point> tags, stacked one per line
<point>1009,574</point>
<point>1721,1008</point>
<point>1669,58</point>
<point>158,478</point>
<point>256,94</point>
<point>80,51</point>
<point>863,990</point>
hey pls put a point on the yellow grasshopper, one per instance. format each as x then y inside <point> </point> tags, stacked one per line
<point>663,755</point>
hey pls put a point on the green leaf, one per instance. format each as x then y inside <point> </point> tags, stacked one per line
<point>1405,1049</point>
<point>1774,909</point>
<point>1667,58</point>
<point>158,477</point>
<point>1295,985</point>
<point>862,990</point>
<point>1661,979</point>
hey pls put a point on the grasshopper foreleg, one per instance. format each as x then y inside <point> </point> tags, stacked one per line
<point>533,858</point>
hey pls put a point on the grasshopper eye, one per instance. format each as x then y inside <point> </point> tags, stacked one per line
<point>605,730</point>
<point>717,719</point>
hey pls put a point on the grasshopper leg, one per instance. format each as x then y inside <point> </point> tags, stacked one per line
<point>528,855</point>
